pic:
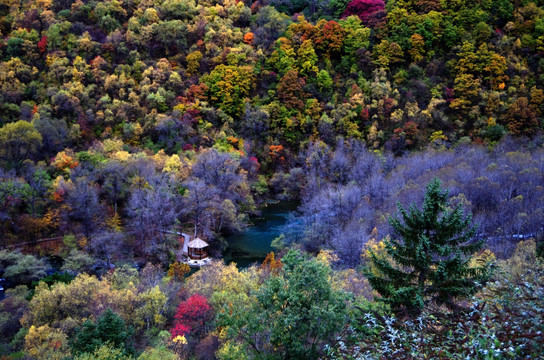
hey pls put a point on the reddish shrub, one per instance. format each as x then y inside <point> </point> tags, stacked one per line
<point>253,160</point>
<point>42,45</point>
<point>248,38</point>
<point>191,315</point>
<point>179,330</point>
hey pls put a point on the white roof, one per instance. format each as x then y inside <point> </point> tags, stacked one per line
<point>197,243</point>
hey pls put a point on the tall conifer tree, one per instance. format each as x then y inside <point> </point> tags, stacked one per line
<point>428,257</point>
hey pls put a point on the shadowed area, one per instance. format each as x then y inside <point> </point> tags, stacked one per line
<point>253,244</point>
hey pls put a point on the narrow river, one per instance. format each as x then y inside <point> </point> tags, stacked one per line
<point>253,244</point>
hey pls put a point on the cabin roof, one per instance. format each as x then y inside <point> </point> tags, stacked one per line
<point>197,243</point>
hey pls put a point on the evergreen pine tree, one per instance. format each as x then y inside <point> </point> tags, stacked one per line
<point>428,258</point>
<point>109,329</point>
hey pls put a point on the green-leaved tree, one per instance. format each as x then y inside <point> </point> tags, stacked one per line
<point>428,258</point>
<point>109,329</point>
<point>295,313</point>
<point>18,142</point>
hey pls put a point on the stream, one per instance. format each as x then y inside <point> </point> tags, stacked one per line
<point>253,244</point>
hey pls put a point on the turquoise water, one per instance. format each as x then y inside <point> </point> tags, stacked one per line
<point>253,244</point>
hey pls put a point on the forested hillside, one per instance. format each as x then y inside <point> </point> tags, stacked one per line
<point>125,123</point>
<point>177,75</point>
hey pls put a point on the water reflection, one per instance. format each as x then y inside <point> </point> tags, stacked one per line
<point>253,244</point>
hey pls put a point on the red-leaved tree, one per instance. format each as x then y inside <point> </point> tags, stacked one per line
<point>42,45</point>
<point>329,38</point>
<point>363,9</point>
<point>191,316</point>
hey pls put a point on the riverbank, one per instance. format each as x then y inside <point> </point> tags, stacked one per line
<point>254,243</point>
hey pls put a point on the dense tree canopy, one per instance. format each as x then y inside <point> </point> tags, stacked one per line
<point>125,124</point>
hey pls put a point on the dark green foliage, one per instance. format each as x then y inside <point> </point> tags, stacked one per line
<point>108,329</point>
<point>428,259</point>
<point>55,278</point>
<point>503,10</point>
<point>494,133</point>
<point>298,311</point>
<point>540,249</point>
<point>290,6</point>
<point>294,302</point>
<point>15,47</point>
<point>337,7</point>
<point>62,277</point>
<point>89,157</point>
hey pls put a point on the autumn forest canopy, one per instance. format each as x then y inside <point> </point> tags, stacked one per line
<point>410,134</point>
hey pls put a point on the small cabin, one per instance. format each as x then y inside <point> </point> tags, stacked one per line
<point>197,249</point>
<point>194,252</point>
